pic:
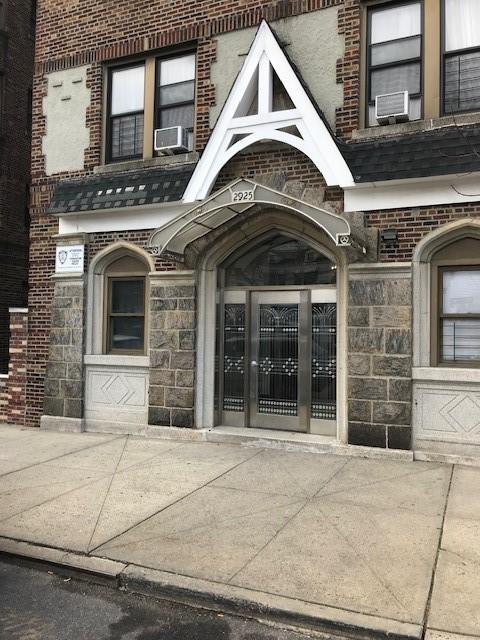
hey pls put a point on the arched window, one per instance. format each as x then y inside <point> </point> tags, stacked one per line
<point>125,307</point>
<point>455,312</point>
<point>118,301</point>
<point>279,260</point>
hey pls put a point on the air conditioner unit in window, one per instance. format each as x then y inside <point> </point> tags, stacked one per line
<point>391,108</point>
<point>171,140</point>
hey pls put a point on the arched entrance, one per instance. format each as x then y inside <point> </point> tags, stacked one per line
<point>276,364</point>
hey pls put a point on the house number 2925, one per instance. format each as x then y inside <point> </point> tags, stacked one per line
<point>242,196</point>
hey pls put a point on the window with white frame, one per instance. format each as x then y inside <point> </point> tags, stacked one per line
<point>394,55</point>
<point>461,57</point>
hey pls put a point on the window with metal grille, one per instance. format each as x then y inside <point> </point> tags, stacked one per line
<point>459,314</point>
<point>394,55</point>
<point>126,112</point>
<point>461,57</point>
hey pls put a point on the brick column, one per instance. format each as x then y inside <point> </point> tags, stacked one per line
<point>17,366</point>
<point>172,349</point>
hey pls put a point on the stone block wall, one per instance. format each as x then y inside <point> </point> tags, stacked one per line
<point>380,362</point>
<point>172,350</point>
<point>64,376</point>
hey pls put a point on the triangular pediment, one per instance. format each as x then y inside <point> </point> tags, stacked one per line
<point>268,102</point>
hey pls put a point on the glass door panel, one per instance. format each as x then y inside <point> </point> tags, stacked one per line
<point>278,359</point>
<point>234,358</point>
<point>275,400</point>
<point>324,362</point>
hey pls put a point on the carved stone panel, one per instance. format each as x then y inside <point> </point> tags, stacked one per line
<point>447,412</point>
<point>117,394</point>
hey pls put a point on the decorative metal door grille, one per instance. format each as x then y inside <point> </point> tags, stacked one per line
<point>234,358</point>
<point>278,359</point>
<point>324,361</point>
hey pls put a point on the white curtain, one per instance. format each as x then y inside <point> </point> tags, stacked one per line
<point>462,24</point>
<point>128,86</point>
<point>461,291</point>
<point>177,70</point>
<point>397,22</point>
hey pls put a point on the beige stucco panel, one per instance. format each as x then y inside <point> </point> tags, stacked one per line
<point>65,110</point>
<point>312,43</point>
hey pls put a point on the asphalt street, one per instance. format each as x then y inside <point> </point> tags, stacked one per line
<point>38,604</point>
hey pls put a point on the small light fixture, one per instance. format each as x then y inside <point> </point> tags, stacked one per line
<point>389,237</point>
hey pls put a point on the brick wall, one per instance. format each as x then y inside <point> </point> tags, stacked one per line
<point>15,138</point>
<point>414,224</point>
<point>17,366</point>
<point>3,397</point>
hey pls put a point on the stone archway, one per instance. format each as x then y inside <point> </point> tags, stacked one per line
<point>209,252</point>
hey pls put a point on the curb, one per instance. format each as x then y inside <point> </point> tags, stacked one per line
<point>215,596</point>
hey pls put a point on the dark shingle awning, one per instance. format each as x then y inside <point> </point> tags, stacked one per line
<point>441,151</point>
<point>123,189</point>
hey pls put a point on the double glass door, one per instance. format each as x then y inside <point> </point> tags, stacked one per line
<point>277,359</point>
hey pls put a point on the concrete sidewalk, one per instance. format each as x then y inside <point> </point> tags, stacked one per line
<point>383,545</point>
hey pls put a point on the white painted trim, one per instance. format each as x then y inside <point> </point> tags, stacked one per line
<point>117,361</point>
<point>446,374</point>
<point>17,310</point>
<point>418,192</point>
<point>4,376</point>
<point>317,143</point>
<point>131,218</point>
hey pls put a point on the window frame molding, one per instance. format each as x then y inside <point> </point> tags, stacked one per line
<point>96,287</point>
<point>424,253</point>
<point>149,60</point>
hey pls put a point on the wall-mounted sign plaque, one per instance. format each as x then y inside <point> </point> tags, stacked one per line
<point>70,258</point>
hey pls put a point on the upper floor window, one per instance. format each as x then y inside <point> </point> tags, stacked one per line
<point>461,70</point>
<point>127,94</point>
<point>156,93</point>
<point>176,93</point>
<point>395,55</point>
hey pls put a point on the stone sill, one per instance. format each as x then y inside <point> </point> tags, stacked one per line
<point>117,361</point>
<point>135,165</point>
<point>445,374</point>
<point>415,126</point>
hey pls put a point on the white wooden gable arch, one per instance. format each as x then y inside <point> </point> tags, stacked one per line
<point>235,131</point>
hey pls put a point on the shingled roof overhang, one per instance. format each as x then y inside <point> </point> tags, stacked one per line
<point>442,151</point>
<point>108,191</point>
